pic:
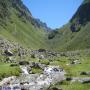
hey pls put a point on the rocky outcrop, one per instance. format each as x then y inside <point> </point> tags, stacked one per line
<point>8,53</point>
<point>85,73</point>
<point>10,60</point>
<point>24,70</point>
<point>7,80</point>
<point>81,80</point>
<point>23,63</point>
<point>37,65</point>
<point>54,88</point>
<point>37,81</point>
<point>85,80</point>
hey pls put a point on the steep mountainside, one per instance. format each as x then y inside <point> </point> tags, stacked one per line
<point>76,34</point>
<point>17,24</point>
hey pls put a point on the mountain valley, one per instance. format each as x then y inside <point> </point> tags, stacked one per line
<point>36,57</point>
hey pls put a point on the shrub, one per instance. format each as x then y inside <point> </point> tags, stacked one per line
<point>52,34</point>
<point>46,62</point>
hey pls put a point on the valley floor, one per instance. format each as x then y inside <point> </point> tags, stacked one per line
<point>76,64</point>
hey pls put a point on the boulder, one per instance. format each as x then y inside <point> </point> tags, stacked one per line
<point>9,60</point>
<point>13,65</point>
<point>41,57</point>
<point>41,50</point>
<point>54,88</point>
<point>53,70</point>
<point>25,87</point>
<point>29,69</point>
<point>68,79</point>
<point>36,65</point>
<point>23,63</point>
<point>75,62</point>
<point>33,56</point>
<point>42,66</point>
<point>8,53</point>
<point>81,80</point>
<point>85,73</point>
<point>85,80</point>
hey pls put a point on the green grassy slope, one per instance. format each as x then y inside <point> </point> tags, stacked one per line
<point>76,34</point>
<point>17,24</point>
<point>6,70</point>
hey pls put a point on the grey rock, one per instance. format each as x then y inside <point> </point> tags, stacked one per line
<point>23,63</point>
<point>37,65</point>
<point>68,79</point>
<point>42,66</point>
<point>41,57</point>
<point>41,50</point>
<point>54,88</point>
<point>10,60</point>
<point>85,73</point>
<point>75,62</point>
<point>8,53</point>
<point>85,80</point>
<point>81,80</point>
<point>25,87</point>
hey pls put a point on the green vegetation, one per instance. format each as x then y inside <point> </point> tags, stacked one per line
<point>74,35</point>
<point>72,86</point>
<point>52,34</point>
<point>17,25</point>
<point>46,62</point>
<point>72,71</point>
<point>86,1</point>
<point>6,70</point>
<point>67,40</point>
<point>37,70</point>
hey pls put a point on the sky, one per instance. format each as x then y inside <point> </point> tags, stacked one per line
<point>55,13</point>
